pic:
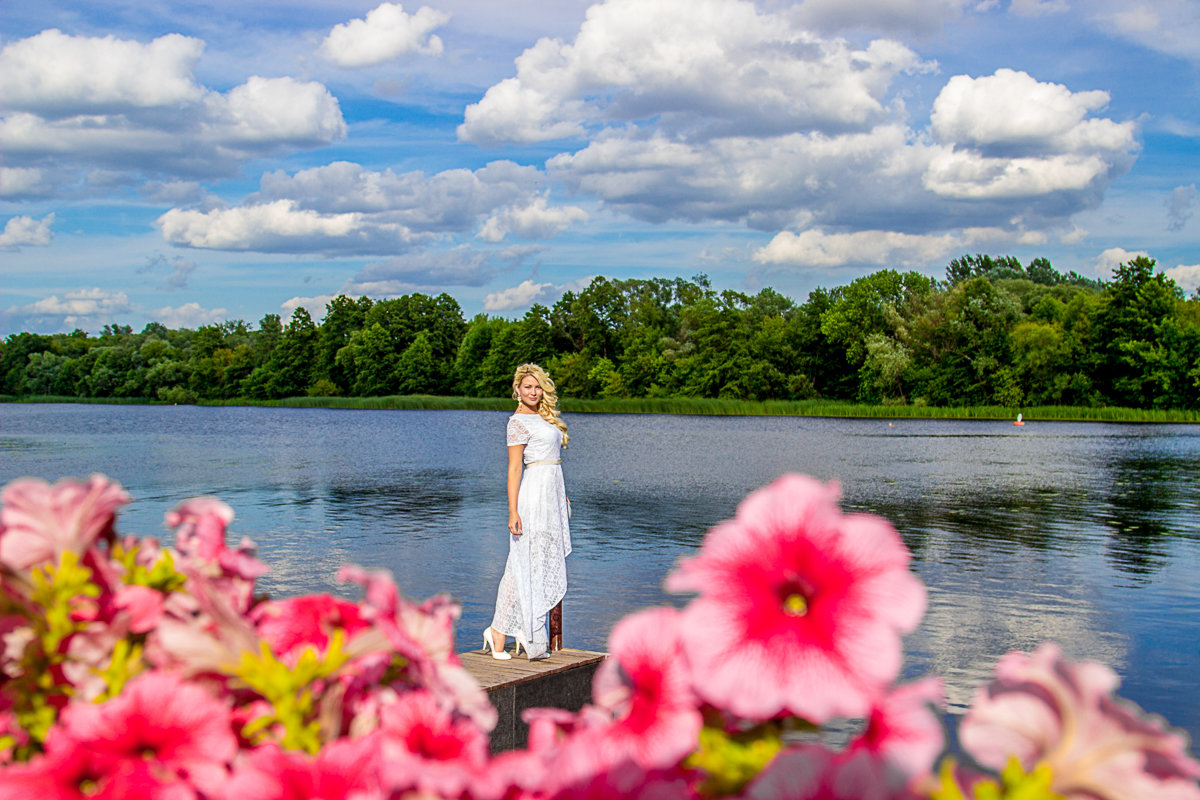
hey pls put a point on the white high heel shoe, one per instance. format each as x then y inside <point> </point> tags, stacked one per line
<point>523,645</point>
<point>490,647</point>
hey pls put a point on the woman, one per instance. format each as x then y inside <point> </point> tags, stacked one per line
<point>535,575</point>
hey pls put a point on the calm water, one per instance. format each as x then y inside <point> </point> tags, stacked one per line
<point>1088,534</point>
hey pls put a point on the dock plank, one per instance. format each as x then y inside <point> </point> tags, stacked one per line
<point>564,680</point>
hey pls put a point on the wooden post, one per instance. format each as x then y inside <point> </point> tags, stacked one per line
<point>556,627</point>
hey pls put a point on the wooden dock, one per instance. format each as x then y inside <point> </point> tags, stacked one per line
<point>564,680</point>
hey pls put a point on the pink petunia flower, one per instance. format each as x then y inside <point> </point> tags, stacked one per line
<point>159,728</point>
<point>39,521</point>
<point>1045,709</point>
<point>345,769</point>
<point>291,625</point>
<point>809,601</point>
<point>646,685</point>
<point>428,748</point>
<point>903,732</point>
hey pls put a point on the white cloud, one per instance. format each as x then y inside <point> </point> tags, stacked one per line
<point>281,227</point>
<point>188,315</point>
<point>533,221</point>
<point>386,34</point>
<point>81,308</point>
<point>345,209</point>
<point>521,296</point>
<point>1180,206</point>
<point>452,200</point>
<point>1013,109</point>
<point>17,181</point>
<point>703,66</point>
<point>132,109</point>
<point>27,232</point>
<point>1110,259</point>
<point>1186,275</point>
<point>815,248</point>
<point>53,73</point>
<point>1009,136</point>
<point>314,305</point>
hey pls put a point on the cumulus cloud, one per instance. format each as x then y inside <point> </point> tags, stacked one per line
<point>343,208</point>
<point>54,74</point>
<point>1012,111</point>
<point>700,66</point>
<point>717,111</point>
<point>1181,204</point>
<point>522,295</point>
<point>1187,276</point>
<point>533,221</point>
<point>20,181</point>
<point>1108,261</point>
<point>188,315</point>
<point>281,227</point>
<point>136,109</point>
<point>314,305</point>
<point>27,232</point>
<point>387,33</point>
<point>82,308</point>
<point>815,248</point>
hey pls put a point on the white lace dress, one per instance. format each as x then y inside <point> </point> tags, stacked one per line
<point>535,575</point>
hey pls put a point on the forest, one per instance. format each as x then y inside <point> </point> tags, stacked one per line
<point>993,331</point>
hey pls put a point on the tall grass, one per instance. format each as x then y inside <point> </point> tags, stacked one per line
<point>697,406</point>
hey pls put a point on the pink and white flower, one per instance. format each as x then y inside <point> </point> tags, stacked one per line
<point>428,748</point>
<point>646,685</point>
<point>39,521</point>
<point>798,595</point>
<point>1043,708</point>
<point>344,770</point>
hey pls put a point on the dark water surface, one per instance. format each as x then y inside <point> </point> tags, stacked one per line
<point>1085,533</point>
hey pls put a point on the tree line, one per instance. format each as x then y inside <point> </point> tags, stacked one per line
<point>993,332</point>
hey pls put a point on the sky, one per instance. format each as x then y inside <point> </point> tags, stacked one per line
<point>191,163</point>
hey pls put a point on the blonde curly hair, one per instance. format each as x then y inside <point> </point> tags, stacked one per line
<point>548,407</point>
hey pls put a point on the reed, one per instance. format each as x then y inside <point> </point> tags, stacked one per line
<point>691,406</point>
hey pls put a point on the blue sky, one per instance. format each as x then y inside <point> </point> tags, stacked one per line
<point>196,162</point>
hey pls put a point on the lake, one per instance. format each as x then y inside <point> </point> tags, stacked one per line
<point>1085,533</point>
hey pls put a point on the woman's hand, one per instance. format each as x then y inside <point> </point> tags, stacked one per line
<point>514,524</point>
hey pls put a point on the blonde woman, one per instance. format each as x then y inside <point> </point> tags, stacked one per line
<point>535,575</point>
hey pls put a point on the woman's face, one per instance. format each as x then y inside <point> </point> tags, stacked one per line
<point>530,392</point>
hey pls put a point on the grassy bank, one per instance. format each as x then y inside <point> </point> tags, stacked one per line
<point>695,405</point>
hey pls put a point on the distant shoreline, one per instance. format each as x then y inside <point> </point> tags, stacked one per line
<point>689,406</point>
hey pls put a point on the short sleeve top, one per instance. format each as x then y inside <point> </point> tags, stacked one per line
<point>541,439</point>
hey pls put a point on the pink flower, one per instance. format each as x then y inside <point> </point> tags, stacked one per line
<point>646,685</point>
<point>344,770</point>
<point>1045,709</point>
<point>144,605</point>
<point>199,524</point>
<point>807,600</point>
<point>159,728</point>
<point>428,748</point>
<point>39,521</point>
<point>903,732</point>
<point>292,624</point>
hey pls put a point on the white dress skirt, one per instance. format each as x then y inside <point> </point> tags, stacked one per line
<point>535,575</point>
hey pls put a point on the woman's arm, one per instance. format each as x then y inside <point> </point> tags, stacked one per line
<point>516,465</point>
